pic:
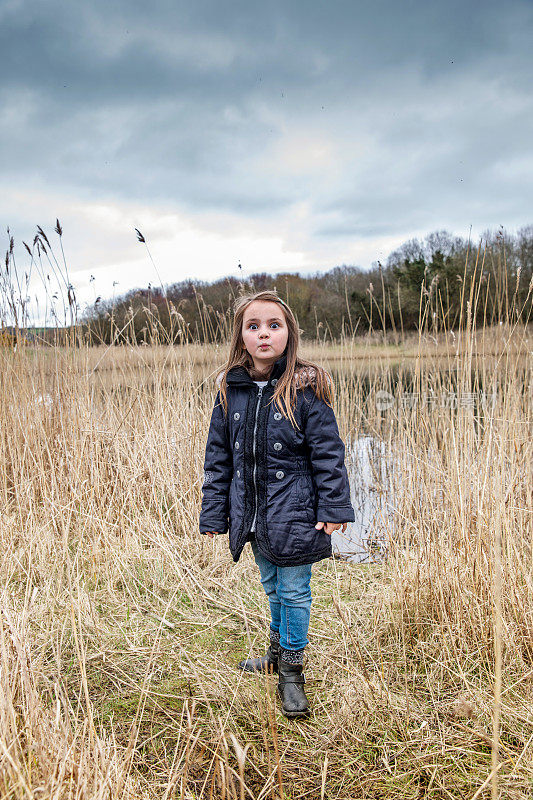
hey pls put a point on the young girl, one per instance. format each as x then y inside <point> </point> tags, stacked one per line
<point>274,475</point>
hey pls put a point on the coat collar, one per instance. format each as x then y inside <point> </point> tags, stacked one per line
<point>240,375</point>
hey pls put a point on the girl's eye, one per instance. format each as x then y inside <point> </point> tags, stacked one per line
<point>253,324</point>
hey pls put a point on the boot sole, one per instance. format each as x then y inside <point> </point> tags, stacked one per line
<point>296,714</point>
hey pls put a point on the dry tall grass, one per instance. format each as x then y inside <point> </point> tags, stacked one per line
<point>120,625</point>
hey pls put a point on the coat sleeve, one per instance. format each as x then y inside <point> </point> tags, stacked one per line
<point>327,453</point>
<point>218,470</point>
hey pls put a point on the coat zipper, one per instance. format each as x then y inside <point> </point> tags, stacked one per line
<point>260,392</point>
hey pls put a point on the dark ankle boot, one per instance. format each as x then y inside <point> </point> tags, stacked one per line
<point>266,663</point>
<point>291,684</point>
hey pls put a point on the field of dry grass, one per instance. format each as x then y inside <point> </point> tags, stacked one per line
<point>120,626</point>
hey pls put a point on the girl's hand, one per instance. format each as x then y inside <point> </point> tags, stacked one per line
<point>211,534</point>
<point>329,527</point>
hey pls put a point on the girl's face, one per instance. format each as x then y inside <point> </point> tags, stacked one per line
<point>264,333</point>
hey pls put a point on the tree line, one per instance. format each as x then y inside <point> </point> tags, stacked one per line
<point>426,284</point>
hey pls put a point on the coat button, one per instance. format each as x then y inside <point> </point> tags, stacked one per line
<point>237,445</point>
<point>236,415</point>
<point>277,445</point>
<point>277,415</point>
<point>238,473</point>
<point>280,474</point>
<point>274,381</point>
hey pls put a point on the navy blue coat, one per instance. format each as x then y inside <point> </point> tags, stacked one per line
<point>286,484</point>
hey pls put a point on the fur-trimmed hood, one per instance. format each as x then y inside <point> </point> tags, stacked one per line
<point>305,376</point>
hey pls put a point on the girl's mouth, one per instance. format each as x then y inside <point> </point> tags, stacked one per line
<point>263,346</point>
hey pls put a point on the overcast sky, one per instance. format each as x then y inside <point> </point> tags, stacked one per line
<point>285,135</point>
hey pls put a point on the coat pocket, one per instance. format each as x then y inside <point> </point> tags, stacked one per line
<point>230,498</point>
<point>235,504</point>
<point>304,497</point>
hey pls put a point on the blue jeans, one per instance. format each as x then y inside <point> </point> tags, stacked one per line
<point>289,594</point>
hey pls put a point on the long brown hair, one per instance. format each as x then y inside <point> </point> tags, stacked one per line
<point>298,371</point>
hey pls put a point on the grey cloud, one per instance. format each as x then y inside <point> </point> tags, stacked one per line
<point>188,102</point>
